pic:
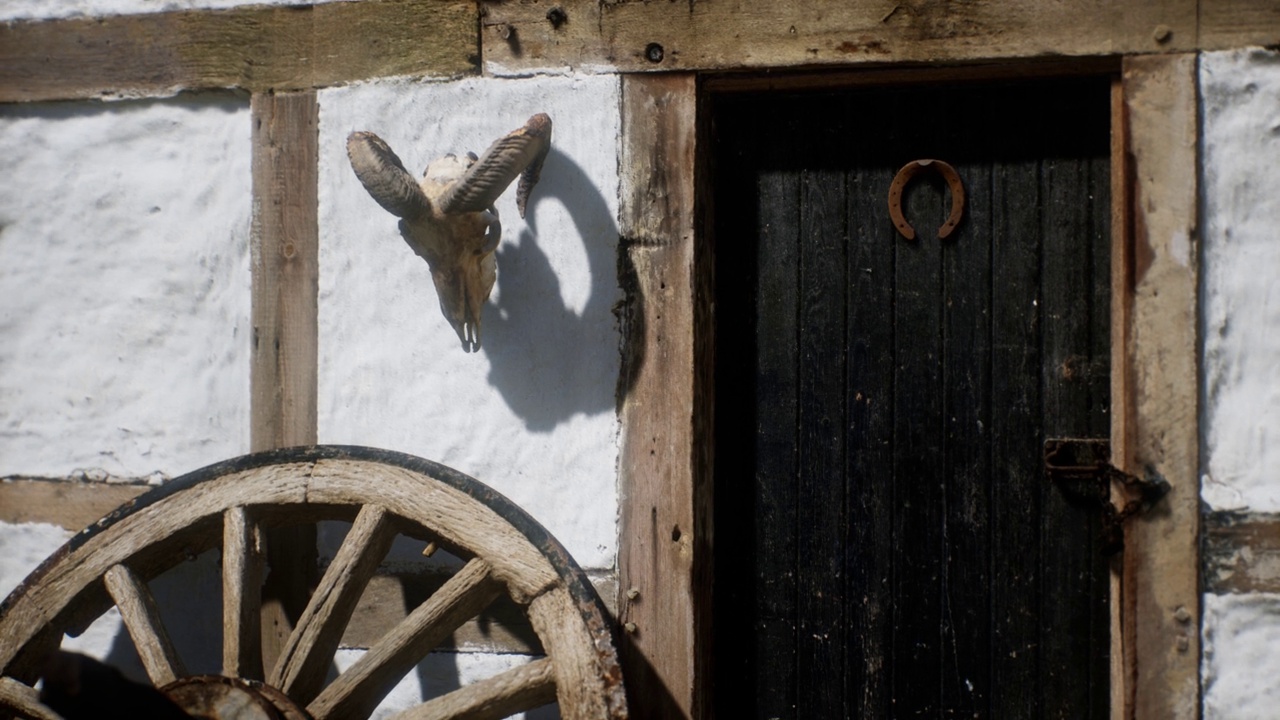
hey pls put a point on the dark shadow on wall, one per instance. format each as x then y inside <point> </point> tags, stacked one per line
<point>548,361</point>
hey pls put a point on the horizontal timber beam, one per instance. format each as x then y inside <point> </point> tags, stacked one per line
<point>520,37</point>
<point>251,48</point>
<point>1241,552</point>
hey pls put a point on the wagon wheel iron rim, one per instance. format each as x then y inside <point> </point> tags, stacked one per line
<point>225,506</point>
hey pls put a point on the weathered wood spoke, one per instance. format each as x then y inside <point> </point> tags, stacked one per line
<point>358,690</point>
<point>242,566</point>
<point>142,619</point>
<point>24,700</point>
<point>522,688</point>
<point>303,665</point>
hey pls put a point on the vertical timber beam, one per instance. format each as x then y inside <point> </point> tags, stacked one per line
<point>661,536</point>
<point>1121,386</point>
<point>285,290</point>
<point>1161,556</point>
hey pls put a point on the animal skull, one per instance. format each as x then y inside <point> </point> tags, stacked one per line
<point>448,218</point>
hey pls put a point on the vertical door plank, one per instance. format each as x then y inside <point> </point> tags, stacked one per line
<point>1068,549</point>
<point>775,491</point>
<point>820,487</point>
<point>966,470</point>
<point>869,457</point>
<point>918,392</point>
<point>285,290</point>
<point>1017,474</point>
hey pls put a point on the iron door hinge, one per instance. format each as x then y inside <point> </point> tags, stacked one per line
<point>1082,468</point>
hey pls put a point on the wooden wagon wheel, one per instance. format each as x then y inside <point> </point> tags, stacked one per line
<point>383,494</point>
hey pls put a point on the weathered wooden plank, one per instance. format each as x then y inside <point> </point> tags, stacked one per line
<point>1228,24</point>
<point>918,391</point>
<point>359,689</point>
<point>142,619</point>
<point>967,281</point>
<point>302,666</point>
<point>1161,548</point>
<point>255,48</point>
<point>15,695</point>
<point>528,686</point>
<point>71,505</point>
<point>242,570</point>
<point>820,460</point>
<point>1122,656</point>
<point>283,362</point>
<point>725,34</point>
<point>869,456</point>
<point>659,544</point>
<point>1241,552</point>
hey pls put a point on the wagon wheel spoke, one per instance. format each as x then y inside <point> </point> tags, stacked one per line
<point>304,662</point>
<point>523,688</point>
<point>142,619</point>
<point>357,691</point>
<point>242,565</point>
<point>23,699</point>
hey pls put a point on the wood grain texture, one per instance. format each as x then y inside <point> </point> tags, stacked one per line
<point>658,533</point>
<point>359,689</point>
<point>304,663</point>
<point>242,571</point>
<point>283,363</point>
<point>574,661</point>
<point>24,698</point>
<point>1241,552</point>
<point>1122,645</point>
<point>70,505</point>
<point>732,34</point>
<point>253,48</point>
<point>141,618</point>
<point>528,686</point>
<point>1161,548</point>
<point>285,265</point>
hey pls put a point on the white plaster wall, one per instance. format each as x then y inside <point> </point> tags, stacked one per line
<point>1241,315</point>
<point>50,9</point>
<point>532,413</point>
<point>1242,656</point>
<point>1241,101</point>
<point>124,274</point>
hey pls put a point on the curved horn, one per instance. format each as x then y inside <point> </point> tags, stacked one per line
<point>384,176</point>
<point>519,152</point>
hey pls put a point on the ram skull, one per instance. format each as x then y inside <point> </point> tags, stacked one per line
<point>449,218</point>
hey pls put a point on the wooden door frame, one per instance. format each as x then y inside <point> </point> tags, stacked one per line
<point>666,460</point>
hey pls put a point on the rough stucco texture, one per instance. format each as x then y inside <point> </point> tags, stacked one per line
<point>124,270</point>
<point>532,414</point>
<point>42,9</point>
<point>1241,656</point>
<point>1241,307</point>
<point>1241,295</point>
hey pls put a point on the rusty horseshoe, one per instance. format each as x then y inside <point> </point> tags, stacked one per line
<point>899,184</point>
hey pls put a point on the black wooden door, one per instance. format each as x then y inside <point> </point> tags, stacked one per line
<point>886,542</point>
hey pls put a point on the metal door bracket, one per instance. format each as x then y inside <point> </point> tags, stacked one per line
<point>1082,468</point>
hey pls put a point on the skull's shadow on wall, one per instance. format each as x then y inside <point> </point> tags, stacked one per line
<point>548,361</point>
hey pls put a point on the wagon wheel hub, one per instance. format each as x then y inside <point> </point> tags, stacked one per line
<point>214,697</point>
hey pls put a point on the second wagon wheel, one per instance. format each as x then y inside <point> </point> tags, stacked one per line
<point>383,494</point>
